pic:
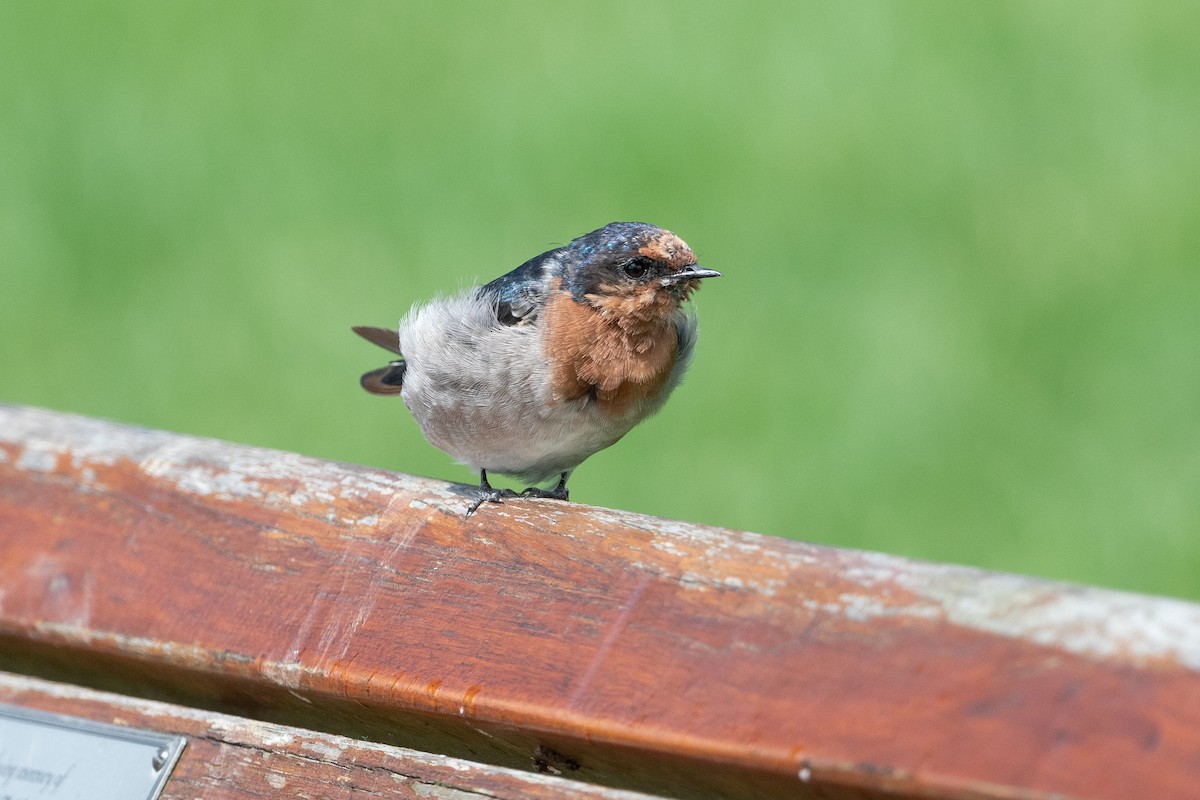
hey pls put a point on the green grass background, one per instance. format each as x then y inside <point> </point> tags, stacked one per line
<point>961,307</point>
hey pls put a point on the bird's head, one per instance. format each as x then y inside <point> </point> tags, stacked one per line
<point>631,268</point>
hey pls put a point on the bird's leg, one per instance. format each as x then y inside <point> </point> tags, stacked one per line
<point>487,494</point>
<point>559,492</point>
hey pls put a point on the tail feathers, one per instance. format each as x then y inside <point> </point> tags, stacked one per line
<point>389,379</point>
<point>385,380</point>
<point>387,338</point>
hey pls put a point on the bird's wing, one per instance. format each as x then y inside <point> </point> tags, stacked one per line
<point>685,343</point>
<point>521,294</point>
<point>387,338</point>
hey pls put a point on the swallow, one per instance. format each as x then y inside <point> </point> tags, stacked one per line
<point>530,374</point>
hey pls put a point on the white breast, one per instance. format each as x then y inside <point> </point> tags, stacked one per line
<point>480,391</point>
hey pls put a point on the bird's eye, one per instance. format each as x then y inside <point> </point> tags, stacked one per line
<point>637,268</point>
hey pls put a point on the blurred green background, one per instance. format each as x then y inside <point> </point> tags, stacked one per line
<point>961,306</point>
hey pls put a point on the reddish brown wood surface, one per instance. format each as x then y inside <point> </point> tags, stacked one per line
<point>234,758</point>
<point>636,652</point>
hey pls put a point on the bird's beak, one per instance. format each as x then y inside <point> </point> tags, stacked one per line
<point>690,274</point>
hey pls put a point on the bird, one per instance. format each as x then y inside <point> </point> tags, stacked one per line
<point>530,374</point>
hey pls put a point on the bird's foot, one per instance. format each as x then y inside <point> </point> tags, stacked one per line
<point>559,492</point>
<point>489,495</point>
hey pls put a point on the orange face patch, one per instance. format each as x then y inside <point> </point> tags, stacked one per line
<point>669,249</point>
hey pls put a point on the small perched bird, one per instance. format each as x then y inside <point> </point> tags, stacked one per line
<point>532,373</point>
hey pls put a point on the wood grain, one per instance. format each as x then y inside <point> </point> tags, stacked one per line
<point>233,758</point>
<point>619,649</point>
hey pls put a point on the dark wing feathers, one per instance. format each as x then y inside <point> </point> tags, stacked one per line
<point>520,295</point>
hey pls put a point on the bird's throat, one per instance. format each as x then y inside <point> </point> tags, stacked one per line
<point>621,354</point>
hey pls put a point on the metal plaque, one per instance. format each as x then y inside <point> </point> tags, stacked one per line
<point>54,757</point>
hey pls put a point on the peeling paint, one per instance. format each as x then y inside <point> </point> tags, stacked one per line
<point>37,458</point>
<point>184,463</point>
<point>67,596</point>
<point>325,748</point>
<point>1093,622</point>
<point>284,673</point>
<point>276,736</point>
<point>437,792</point>
<point>1098,623</point>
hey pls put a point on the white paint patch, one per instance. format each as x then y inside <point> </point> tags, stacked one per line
<point>210,468</point>
<point>37,457</point>
<point>326,748</point>
<point>285,673</point>
<point>1097,623</point>
<point>1092,622</point>
<point>202,481</point>
<point>65,597</point>
<point>276,736</point>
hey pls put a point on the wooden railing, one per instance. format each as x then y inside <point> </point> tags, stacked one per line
<point>311,624</point>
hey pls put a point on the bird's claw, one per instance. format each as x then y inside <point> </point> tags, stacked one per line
<point>490,495</point>
<point>557,493</point>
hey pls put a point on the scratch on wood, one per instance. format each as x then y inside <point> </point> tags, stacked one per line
<point>610,638</point>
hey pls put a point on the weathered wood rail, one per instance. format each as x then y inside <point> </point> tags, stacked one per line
<point>613,649</point>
